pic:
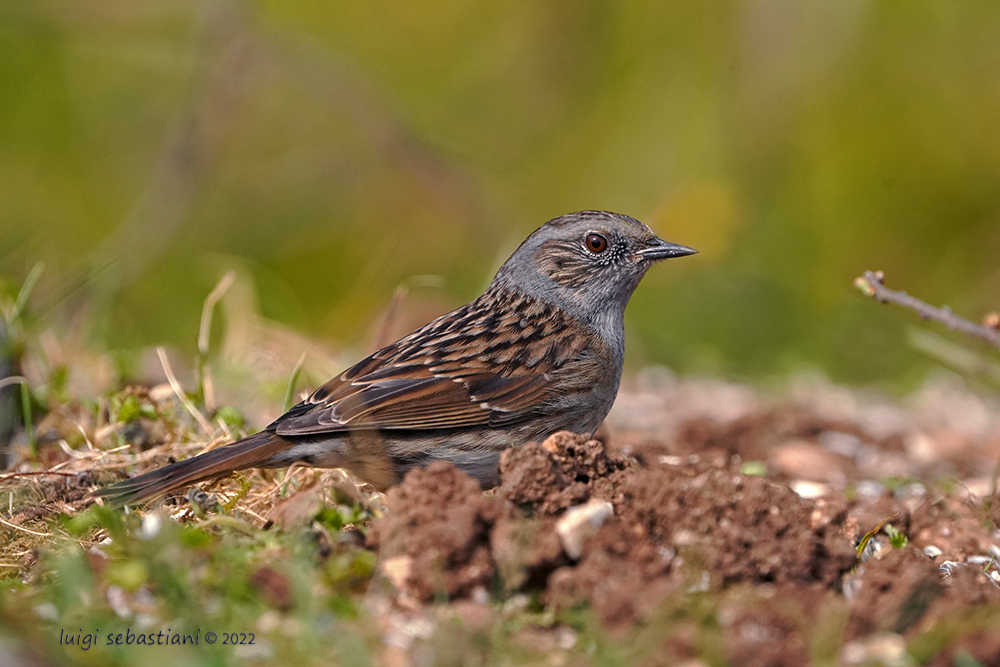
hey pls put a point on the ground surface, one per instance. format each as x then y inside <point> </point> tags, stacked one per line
<point>707,524</point>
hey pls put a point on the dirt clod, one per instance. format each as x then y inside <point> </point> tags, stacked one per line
<point>565,470</point>
<point>768,625</point>
<point>624,579</point>
<point>740,528</point>
<point>691,538</point>
<point>904,591</point>
<point>442,521</point>
<point>895,593</point>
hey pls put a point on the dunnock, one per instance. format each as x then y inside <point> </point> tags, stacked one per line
<point>541,351</point>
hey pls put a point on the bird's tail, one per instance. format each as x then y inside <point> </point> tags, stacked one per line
<point>251,452</point>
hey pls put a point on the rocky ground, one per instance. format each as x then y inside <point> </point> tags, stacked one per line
<point>707,523</point>
<point>704,487</point>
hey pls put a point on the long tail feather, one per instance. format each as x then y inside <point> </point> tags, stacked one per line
<point>254,451</point>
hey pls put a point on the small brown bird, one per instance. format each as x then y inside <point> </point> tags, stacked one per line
<point>540,351</point>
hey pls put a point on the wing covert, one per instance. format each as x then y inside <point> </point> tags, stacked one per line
<point>472,367</point>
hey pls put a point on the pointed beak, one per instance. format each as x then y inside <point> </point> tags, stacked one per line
<point>659,249</point>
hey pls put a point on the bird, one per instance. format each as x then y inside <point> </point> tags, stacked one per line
<point>540,351</point>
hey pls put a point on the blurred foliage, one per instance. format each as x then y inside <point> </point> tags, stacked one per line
<point>154,581</point>
<point>339,150</point>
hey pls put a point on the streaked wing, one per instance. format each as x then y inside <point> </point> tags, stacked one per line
<point>494,361</point>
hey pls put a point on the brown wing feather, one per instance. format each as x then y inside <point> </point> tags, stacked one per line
<point>491,361</point>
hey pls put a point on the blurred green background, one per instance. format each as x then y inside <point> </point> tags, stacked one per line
<point>336,150</point>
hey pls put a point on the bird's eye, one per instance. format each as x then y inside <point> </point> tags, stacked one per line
<point>596,243</point>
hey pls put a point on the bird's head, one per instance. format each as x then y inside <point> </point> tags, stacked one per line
<point>588,263</point>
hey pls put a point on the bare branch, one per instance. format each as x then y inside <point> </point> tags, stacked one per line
<point>871,284</point>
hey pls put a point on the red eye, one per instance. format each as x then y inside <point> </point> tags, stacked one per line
<point>596,243</point>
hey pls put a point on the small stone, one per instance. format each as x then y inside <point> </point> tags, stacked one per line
<point>837,442</point>
<point>565,638</point>
<point>118,601</point>
<point>921,448</point>
<point>886,648</point>
<point>803,460</point>
<point>869,489</point>
<point>397,570</point>
<point>151,525</point>
<point>580,522</point>
<point>47,610</point>
<point>809,490</point>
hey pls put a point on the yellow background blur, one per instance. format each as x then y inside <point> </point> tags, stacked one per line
<point>337,150</point>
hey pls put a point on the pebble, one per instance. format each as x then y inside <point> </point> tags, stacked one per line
<point>809,490</point>
<point>885,648</point>
<point>580,522</point>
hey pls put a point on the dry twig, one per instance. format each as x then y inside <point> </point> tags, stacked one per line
<point>207,386</point>
<point>22,528</point>
<point>179,392</point>
<point>36,473</point>
<point>871,283</point>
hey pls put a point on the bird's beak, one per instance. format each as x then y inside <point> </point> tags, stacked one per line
<point>659,249</point>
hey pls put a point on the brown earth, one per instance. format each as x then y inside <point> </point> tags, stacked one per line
<point>690,518</point>
<point>703,526</point>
